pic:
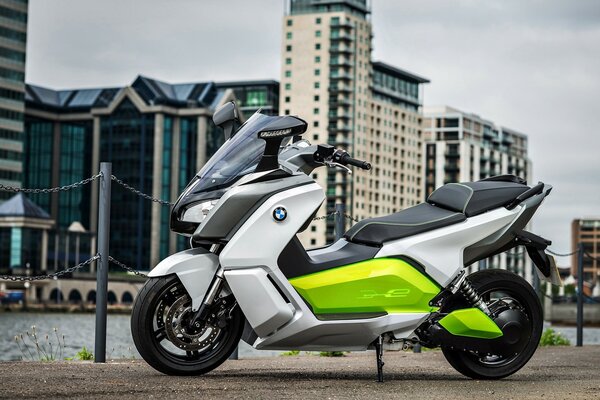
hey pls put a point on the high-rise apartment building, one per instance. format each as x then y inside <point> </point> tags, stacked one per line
<point>13,39</point>
<point>157,136</point>
<point>369,109</point>
<point>587,232</point>
<point>462,147</point>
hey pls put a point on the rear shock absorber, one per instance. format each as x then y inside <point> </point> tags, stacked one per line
<point>473,297</point>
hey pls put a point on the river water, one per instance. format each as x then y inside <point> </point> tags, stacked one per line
<point>78,330</point>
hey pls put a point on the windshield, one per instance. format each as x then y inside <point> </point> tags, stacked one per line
<point>237,157</point>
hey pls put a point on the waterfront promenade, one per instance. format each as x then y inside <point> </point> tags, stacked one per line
<point>553,373</point>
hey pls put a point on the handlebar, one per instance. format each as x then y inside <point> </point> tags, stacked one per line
<point>327,153</point>
<point>345,159</point>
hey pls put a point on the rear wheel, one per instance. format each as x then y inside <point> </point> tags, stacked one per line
<point>498,286</point>
<point>162,335</point>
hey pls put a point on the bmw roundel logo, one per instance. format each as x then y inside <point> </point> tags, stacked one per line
<point>279,214</point>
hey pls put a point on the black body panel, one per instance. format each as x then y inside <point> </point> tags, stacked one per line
<point>418,219</point>
<point>295,261</point>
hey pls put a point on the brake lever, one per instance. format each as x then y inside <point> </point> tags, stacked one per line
<point>338,165</point>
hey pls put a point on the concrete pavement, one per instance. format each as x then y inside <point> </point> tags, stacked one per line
<point>553,373</point>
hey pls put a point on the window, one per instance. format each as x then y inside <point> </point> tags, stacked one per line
<point>318,59</point>
<point>317,72</point>
<point>288,74</point>
<point>288,47</point>
<point>318,21</point>
<point>318,34</point>
<point>256,98</point>
<point>317,46</point>
<point>316,136</point>
<point>287,112</point>
<point>316,98</point>
<point>288,35</point>
<point>289,22</point>
<point>288,61</point>
<point>316,111</point>
<point>317,85</point>
<point>316,124</point>
<point>335,20</point>
<point>288,86</point>
<point>287,99</point>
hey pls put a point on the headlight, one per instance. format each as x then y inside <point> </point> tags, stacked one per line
<point>198,212</point>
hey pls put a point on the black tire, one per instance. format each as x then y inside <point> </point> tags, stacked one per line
<point>150,347</point>
<point>483,282</point>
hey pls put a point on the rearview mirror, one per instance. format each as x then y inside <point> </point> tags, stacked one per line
<point>225,117</point>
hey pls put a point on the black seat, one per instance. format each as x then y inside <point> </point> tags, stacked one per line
<point>474,198</point>
<point>447,205</point>
<point>418,219</point>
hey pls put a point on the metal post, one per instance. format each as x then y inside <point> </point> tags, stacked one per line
<point>580,295</point>
<point>102,270</point>
<point>340,210</point>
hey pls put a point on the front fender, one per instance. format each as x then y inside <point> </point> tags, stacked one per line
<point>195,268</point>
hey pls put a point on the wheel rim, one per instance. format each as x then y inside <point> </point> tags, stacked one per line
<point>172,336</point>
<point>515,300</point>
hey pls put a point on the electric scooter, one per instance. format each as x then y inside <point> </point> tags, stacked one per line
<point>396,278</point>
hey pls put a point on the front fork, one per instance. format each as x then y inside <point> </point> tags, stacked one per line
<point>212,292</point>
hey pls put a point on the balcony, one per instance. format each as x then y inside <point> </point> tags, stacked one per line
<point>452,154</point>
<point>341,37</point>
<point>342,24</point>
<point>451,167</point>
<point>341,76</point>
<point>341,50</point>
<point>335,103</point>
<point>334,62</point>
<point>334,89</point>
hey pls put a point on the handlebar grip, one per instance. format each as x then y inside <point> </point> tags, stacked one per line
<point>346,159</point>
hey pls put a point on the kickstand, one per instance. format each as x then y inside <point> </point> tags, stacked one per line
<point>379,355</point>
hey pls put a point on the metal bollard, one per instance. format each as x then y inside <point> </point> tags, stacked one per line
<point>102,270</point>
<point>340,210</point>
<point>580,296</point>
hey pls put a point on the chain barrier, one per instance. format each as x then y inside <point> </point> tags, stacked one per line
<point>125,267</point>
<point>53,275</point>
<point>51,190</point>
<point>139,193</point>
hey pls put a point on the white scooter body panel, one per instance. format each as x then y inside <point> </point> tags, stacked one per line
<point>441,250</point>
<point>195,268</point>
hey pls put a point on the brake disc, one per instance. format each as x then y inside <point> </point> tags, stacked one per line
<point>183,336</point>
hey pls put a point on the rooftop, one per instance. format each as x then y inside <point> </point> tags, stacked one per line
<point>20,206</point>
<point>400,73</point>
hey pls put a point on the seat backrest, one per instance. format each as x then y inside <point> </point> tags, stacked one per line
<point>473,198</point>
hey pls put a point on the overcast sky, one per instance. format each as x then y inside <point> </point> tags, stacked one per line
<point>533,66</point>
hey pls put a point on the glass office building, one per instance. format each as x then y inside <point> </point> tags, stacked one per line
<point>156,135</point>
<point>13,39</point>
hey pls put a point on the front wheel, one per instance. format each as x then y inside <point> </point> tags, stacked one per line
<point>498,286</point>
<point>162,335</point>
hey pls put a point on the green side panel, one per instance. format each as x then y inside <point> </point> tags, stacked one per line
<point>378,285</point>
<point>471,322</point>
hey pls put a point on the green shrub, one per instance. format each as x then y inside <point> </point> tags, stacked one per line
<point>291,353</point>
<point>332,354</point>
<point>552,338</point>
<point>83,355</point>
